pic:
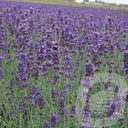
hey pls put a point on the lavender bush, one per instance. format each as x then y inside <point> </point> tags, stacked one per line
<point>48,52</point>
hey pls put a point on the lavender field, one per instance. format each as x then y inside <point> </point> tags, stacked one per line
<point>63,66</point>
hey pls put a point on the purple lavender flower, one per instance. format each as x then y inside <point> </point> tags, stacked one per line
<point>34,89</point>
<point>61,103</point>
<point>116,90</point>
<point>34,97</point>
<point>106,86</point>
<point>89,69</point>
<point>72,111</point>
<point>111,110</point>
<point>126,46</point>
<point>85,116</point>
<point>125,59</point>
<point>67,65</point>
<point>53,93</point>
<point>45,124</point>
<point>39,101</point>
<point>67,84</point>
<point>20,106</point>
<point>53,119</point>
<point>126,95</point>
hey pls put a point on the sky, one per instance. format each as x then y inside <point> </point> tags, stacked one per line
<point>114,1</point>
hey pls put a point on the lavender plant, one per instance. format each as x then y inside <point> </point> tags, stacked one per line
<point>48,52</point>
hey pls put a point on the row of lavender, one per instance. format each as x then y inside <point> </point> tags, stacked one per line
<point>48,52</point>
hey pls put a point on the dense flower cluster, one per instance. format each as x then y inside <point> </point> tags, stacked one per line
<point>48,53</point>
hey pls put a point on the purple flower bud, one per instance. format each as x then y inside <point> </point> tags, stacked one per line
<point>66,85</point>
<point>53,93</point>
<point>53,119</point>
<point>125,59</point>
<point>61,103</point>
<point>45,124</point>
<point>116,89</point>
<point>89,69</point>
<point>20,106</point>
<point>22,56</point>
<point>33,89</point>
<point>111,110</point>
<point>106,86</point>
<point>126,46</point>
<point>73,110</point>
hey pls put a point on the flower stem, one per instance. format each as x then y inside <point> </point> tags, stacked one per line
<point>20,120</point>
